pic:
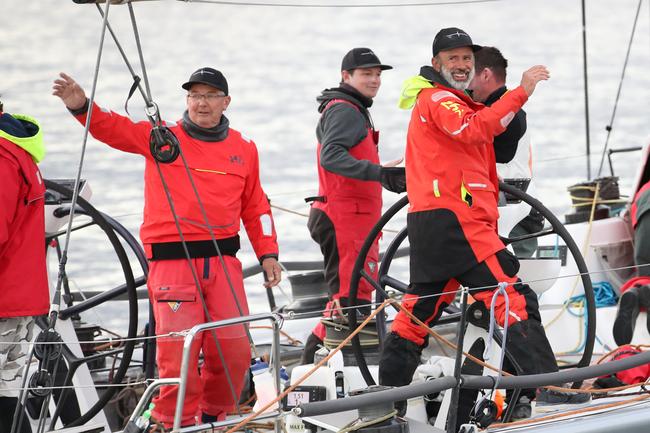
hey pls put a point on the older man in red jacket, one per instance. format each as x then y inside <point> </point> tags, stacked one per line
<point>24,290</point>
<point>224,167</point>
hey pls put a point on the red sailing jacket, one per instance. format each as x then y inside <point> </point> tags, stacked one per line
<point>226,174</point>
<point>450,161</point>
<point>634,211</point>
<point>23,278</point>
<point>350,195</point>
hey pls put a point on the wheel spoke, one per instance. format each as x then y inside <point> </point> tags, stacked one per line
<point>394,283</point>
<point>539,234</point>
<point>109,227</point>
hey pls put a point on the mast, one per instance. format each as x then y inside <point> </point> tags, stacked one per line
<point>586,88</point>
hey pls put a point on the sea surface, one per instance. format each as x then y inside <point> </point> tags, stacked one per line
<point>278,59</point>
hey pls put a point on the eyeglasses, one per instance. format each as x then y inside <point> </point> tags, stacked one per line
<point>210,97</point>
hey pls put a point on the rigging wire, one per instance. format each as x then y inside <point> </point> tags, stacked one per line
<point>55,307</point>
<point>609,127</point>
<point>347,5</point>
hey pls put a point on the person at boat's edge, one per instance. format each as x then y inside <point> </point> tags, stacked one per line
<point>225,169</point>
<point>350,180</point>
<point>512,148</point>
<point>24,292</point>
<point>452,186</point>
<point>635,292</point>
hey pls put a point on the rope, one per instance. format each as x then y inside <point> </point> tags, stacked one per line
<point>294,212</point>
<point>284,209</point>
<point>486,354</point>
<point>292,341</point>
<point>605,297</point>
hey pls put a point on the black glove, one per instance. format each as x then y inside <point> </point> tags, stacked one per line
<point>393,179</point>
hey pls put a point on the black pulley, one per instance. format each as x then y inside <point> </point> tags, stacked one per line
<point>485,413</point>
<point>163,144</point>
<point>48,345</point>
<point>40,383</point>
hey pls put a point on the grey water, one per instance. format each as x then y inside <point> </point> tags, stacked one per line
<point>277,59</point>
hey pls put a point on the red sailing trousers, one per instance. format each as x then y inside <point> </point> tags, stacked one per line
<point>341,233</point>
<point>496,268</point>
<point>177,306</point>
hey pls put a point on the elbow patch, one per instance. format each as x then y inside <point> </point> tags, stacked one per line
<point>505,120</point>
<point>267,225</point>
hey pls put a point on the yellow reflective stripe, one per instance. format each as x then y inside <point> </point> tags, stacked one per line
<point>205,170</point>
<point>465,195</point>
<point>436,191</point>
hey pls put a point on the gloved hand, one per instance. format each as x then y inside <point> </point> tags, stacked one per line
<point>393,179</point>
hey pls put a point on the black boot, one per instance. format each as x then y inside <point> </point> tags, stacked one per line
<point>399,359</point>
<point>528,344</point>
<point>628,311</point>
<point>311,346</point>
<point>643,293</point>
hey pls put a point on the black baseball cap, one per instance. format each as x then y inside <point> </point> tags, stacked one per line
<point>451,38</point>
<point>208,76</point>
<point>361,58</point>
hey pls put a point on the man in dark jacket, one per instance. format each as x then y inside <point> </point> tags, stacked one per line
<point>350,179</point>
<point>24,290</point>
<point>512,148</point>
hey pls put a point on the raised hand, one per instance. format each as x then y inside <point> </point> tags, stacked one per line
<point>71,93</point>
<point>532,76</point>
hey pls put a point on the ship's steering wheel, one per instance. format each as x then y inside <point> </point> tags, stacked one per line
<point>385,279</point>
<point>122,355</point>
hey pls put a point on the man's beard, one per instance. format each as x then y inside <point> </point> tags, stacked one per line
<point>458,85</point>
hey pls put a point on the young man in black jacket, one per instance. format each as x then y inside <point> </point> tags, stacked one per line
<point>350,180</point>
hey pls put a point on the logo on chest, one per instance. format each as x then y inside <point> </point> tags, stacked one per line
<point>236,159</point>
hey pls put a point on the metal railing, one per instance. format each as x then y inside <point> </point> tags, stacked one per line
<point>181,381</point>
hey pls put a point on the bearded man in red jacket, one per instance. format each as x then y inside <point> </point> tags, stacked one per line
<point>452,184</point>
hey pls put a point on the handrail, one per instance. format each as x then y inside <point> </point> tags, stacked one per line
<point>276,319</point>
<point>470,382</point>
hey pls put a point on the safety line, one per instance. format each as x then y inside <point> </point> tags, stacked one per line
<point>348,5</point>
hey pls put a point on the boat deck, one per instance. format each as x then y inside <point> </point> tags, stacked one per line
<point>335,422</point>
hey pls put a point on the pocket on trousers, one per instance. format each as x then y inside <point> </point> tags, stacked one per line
<point>175,308</point>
